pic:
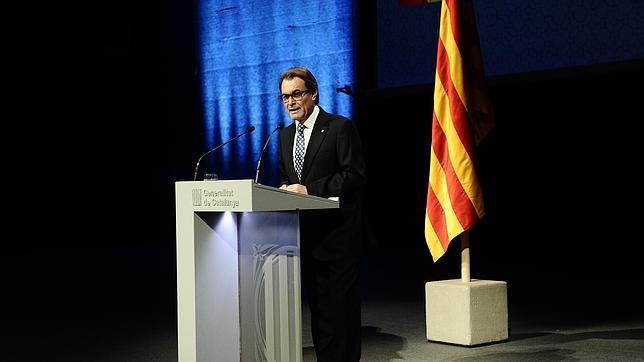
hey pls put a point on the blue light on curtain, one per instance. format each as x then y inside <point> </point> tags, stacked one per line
<point>244,46</point>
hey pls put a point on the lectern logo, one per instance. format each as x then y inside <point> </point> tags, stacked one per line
<point>196,197</point>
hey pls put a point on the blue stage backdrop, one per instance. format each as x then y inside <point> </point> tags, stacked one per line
<point>243,48</point>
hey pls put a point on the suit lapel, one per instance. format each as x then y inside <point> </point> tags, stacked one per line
<point>318,134</point>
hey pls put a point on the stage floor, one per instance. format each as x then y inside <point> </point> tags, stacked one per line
<point>120,306</point>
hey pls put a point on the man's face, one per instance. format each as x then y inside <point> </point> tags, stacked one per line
<point>298,110</point>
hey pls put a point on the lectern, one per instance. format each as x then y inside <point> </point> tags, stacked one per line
<point>238,270</point>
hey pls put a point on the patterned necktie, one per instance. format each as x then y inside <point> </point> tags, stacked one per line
<point>299,150</point>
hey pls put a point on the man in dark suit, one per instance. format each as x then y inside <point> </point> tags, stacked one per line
<point>321,154</point>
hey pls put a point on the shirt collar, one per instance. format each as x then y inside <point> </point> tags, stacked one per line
<point>310,122</point>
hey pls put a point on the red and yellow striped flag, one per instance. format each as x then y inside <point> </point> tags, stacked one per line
<point>462,117</point>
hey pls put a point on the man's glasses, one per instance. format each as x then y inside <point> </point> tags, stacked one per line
<point>296,95</point>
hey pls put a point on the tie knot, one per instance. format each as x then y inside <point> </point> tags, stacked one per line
<point>300,127</point>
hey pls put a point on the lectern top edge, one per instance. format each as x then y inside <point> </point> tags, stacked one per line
<point>271,188</point>
<point>244,195</point>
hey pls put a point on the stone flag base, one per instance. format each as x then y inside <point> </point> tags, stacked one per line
<point>466,313</point>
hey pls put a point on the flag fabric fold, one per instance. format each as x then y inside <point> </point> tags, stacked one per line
<point>462,117</point>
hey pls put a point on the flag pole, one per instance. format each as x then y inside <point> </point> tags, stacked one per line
<point>465,256</point>
<point>462,116</point>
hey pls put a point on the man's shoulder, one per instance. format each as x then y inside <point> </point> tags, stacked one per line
<point>331,117</point>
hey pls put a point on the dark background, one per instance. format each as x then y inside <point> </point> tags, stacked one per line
<point>111,119</point>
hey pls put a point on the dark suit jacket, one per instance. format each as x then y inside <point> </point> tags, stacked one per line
<point>333,166</point>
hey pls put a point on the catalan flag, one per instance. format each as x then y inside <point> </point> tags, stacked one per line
<point>462,117</point>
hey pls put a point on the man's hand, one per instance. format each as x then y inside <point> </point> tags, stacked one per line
<point>295,188</point>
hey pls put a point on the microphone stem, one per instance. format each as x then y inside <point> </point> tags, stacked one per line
<point>250,129</point>
<point>197,169</point>
<point>257,172</point>
<point>259,162</point>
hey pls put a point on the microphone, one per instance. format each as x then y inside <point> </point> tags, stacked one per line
<point>259,162</point>
<point>248,130</point>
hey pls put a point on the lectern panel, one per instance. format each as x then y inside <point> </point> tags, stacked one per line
<point>216,286</point>
<point>269,269</point>
<point>238,271</point>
